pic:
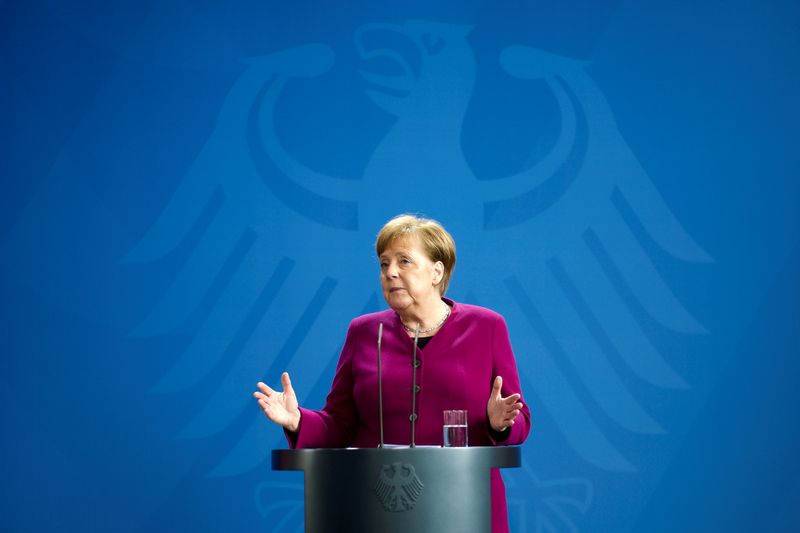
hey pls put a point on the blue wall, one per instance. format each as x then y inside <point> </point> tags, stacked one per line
<point>189,198</point>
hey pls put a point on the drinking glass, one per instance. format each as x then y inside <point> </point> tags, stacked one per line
<point>455,429</point>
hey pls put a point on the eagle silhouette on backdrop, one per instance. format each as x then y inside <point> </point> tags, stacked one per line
<point>281,247</point>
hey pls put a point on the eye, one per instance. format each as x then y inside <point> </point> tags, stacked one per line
<point>433,43</point>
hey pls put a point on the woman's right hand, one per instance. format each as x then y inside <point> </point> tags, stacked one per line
<point>280,407</point>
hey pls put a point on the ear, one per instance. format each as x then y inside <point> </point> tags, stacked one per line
<point>438,272</point>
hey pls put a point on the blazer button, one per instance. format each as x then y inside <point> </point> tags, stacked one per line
<point>417,363</point>
<point>412,417</point>
<point>417,388</point>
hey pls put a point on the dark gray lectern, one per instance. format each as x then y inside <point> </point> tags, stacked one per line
<point>392,490</point>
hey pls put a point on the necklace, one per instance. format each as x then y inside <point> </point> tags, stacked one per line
<point>428,330</point>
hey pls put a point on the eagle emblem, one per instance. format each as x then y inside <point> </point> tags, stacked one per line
<point>398,487</point>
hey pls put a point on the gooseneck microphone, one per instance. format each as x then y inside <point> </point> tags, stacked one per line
<point>380,384</point>
<point>414,387</point>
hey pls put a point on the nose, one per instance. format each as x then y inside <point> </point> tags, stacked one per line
<point>391,270</point>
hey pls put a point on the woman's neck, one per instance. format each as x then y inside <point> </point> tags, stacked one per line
<point>428,316</point>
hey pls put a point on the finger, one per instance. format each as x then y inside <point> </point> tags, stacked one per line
<point>511,407</point>
<point>508,422</point>
<point>286,382</point>
<point>264,407</point>
<point>505,424</point>
<point>514,398</point>
<point>266,403</point>
<point>265,389</point>
<point>498,386</point>
<point>270,408</point>
<point>261,396</point>
<point>509,411</point>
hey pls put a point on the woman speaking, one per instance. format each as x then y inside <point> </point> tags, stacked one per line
<point>464,361</point>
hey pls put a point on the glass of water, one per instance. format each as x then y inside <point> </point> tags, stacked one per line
<point>455,429</point>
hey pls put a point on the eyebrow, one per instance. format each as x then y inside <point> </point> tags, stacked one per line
<point>400,254</point>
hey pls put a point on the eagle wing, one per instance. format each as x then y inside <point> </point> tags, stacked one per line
<point>587,221</point>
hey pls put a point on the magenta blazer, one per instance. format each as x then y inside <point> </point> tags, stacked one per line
<point>456,371</point>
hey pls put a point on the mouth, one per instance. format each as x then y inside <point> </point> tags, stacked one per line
<point>395,289</point>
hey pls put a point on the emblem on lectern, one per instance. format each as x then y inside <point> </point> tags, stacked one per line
<point>398,487</point>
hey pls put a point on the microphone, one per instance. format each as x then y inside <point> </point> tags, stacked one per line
<point>380,383</point>
<point>414,387</point>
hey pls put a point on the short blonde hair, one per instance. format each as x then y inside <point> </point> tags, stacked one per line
<point>437,243</point>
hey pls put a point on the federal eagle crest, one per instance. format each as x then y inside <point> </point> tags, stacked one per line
<point>398,487</point>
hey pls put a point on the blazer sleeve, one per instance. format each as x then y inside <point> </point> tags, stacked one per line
<point>335,425</point>
<point>504,364</point>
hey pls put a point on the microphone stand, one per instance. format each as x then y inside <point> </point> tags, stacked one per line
<point>380,383</point>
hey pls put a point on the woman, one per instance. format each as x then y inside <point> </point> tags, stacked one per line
<point>464,353</point>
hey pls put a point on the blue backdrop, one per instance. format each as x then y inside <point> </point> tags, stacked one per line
<point>191,190</point>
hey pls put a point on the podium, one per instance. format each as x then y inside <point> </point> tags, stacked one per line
<point>393,490</point>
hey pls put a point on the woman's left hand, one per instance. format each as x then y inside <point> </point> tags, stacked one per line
<point>502,411</point>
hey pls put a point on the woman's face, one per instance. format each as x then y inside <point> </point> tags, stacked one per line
<point>408,276</point>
